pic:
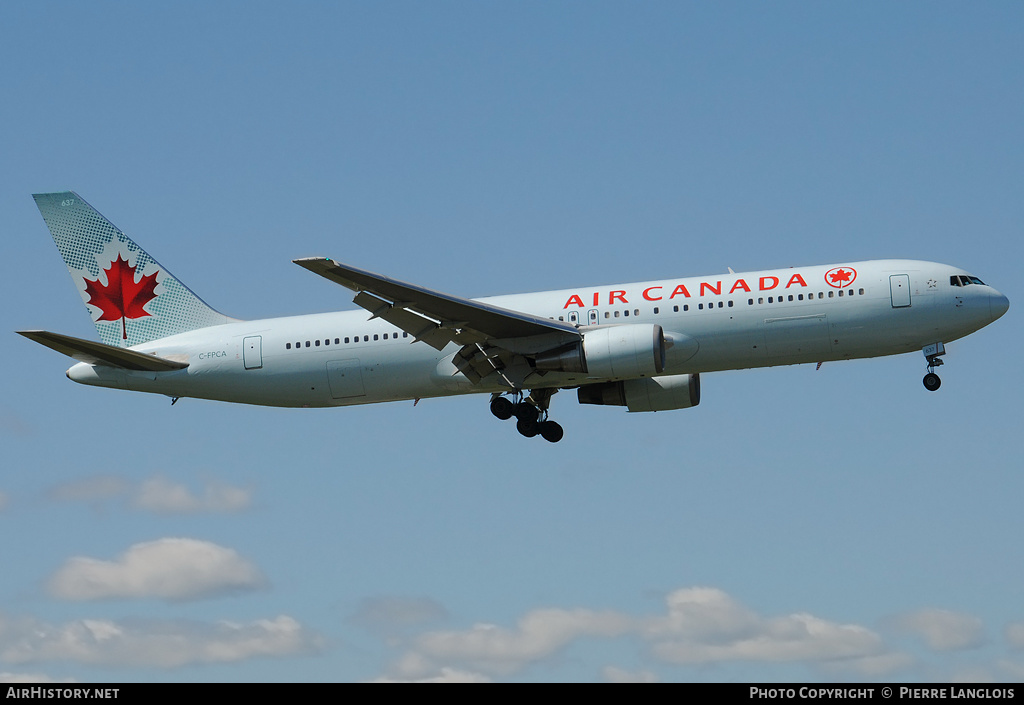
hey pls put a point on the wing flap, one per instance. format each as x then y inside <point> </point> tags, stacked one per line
<point>102,354</point>
<point>419,327</point>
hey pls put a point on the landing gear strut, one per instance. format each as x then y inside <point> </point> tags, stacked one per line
<point>933,354</point>
<point>531,414</point>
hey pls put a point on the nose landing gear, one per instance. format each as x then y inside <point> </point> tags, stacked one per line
<point>933,354</point>
<point>531,414</point>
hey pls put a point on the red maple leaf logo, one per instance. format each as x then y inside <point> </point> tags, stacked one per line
<point>840,277</point>
<point>121,297</point>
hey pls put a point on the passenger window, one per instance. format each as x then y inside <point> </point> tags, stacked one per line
<point>636,312</point>
<point>346,341</point>
<point>366,338</point>
<point>376,337</point>
<point>830,294</point>
<point>700,307</point>
<point>799,297</point>
<point>626,313</point>
<point>287,346</point>
<point>616,314</point>
<point>750,302</point>
<point>860,292</point>
<point>655,309</point>
<point>771,300</point>
<point>316,343</point>
<point>790,297</point>
<point>760,299</point>
<point>686,307</point>
<point>840,292</point>
<point>405,335</point>
<point>307,343</point>
<point>721,304</point>
<point>675,309</point>
<point>730,303</point>
<point>607,314</point>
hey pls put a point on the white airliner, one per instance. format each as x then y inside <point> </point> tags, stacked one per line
<point>642,346</point>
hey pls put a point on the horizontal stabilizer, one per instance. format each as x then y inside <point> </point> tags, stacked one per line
<point>101,354</point>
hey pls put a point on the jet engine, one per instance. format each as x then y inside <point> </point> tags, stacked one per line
<point>647,394</point>
<point>611,352</point>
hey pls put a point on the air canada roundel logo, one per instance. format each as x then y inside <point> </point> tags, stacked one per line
<point>840,277</point>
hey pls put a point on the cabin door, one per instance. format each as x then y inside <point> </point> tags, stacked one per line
<point>252,352</point>
<point>899,288</point>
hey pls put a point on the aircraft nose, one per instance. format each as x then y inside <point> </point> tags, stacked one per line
<point>998,304</point>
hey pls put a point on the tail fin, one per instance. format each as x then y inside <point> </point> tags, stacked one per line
<point>132,298</point>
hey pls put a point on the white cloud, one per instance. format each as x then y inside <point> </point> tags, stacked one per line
<point>969,674</point>
<point>165,497</point>
<point>446,675</point>
<point>169,569</point>
<point>157,494</point>
<point>705,625</point>
<point>943,630</point>
<point>1014,634</point>
<point>492,649</point>
<point>7,677</point>
<point>870,667</point>
<point>700,626</point>
<point>144,643</point>
<point>613,674</point>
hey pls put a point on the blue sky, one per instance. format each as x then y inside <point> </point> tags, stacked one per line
<point>841,524</point>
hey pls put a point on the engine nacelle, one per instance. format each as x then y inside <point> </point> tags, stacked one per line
<point>648,394</point>
<point>611,352</point>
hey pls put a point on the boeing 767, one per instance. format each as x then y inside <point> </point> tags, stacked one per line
<point>641,345</point>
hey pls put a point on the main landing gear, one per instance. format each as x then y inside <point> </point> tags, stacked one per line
<point>531,414</point>
<point>933,354</point>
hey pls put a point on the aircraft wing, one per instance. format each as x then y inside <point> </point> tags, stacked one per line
<point>434,317</point>
<point>102,354</point>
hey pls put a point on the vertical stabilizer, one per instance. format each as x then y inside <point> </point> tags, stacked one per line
<point>131,297</point>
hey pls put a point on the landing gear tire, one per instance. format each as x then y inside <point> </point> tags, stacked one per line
<point>932,381</point>
<point>525,411</point>
<point>527,427</point>
<point>551,431</point>
<point>502,408</point>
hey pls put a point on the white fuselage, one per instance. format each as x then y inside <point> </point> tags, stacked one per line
<point>722,322</point>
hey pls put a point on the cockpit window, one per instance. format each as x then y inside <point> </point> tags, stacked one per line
<point>964,280</point>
